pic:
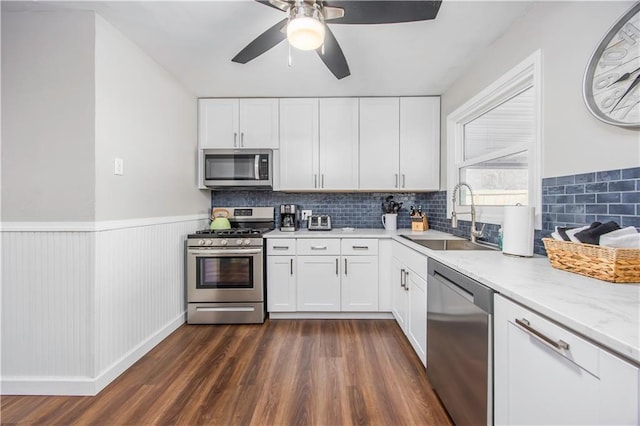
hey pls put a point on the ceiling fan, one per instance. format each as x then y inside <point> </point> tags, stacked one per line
<point>305,25</point>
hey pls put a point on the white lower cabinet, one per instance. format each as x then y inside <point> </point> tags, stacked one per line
<point>409,296</point>
<point>322,275</point>
<point>399,296</point>
<point>546,374</point>
<point>360,283</point>
<point>319,283</point>
<point>281,275</point>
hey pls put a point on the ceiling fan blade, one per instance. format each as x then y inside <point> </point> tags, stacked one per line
<point>333,57</point>
<point>385,11</point>
<point>262,43</point>
<point>276,4</point>
<point>332,12</point>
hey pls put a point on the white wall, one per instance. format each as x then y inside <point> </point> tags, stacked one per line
<point>47,116</point>
<point>146,118</point>
<point>93,265</point>
<point>567,33</point>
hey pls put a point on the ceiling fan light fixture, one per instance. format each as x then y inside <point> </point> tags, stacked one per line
<point>306,30</point>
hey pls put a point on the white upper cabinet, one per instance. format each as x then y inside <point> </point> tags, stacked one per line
<point>379,143</point>
<point>299,139</point>
<point>420,143</point>
<point>338,143</point>
<point>319,144</point>
<point>238,123</point>
<point>400,144</point>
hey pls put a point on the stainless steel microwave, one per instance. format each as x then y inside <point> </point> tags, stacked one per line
<point>237,168</point>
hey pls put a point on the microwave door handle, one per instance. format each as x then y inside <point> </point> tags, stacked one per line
<point>256,167</point>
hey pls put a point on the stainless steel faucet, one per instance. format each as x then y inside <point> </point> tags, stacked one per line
<point>475,234</point>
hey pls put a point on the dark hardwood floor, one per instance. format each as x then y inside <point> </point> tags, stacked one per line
<point>283,372</point>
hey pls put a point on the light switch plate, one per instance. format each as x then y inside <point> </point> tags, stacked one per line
<point>306,214</point>
<point>118,166</point>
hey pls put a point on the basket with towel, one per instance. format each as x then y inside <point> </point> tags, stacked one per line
<point>603,251</point>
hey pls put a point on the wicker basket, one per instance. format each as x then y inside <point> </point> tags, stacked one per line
<point>615,265</point>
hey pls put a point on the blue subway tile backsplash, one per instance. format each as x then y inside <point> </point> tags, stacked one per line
<point>573,200</point>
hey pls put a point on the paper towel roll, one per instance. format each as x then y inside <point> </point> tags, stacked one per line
<point>517,230</point>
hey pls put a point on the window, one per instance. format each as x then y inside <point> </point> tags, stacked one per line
<point>493,144</point>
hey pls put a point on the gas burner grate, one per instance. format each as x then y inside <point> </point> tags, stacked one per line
<point>228,232</point>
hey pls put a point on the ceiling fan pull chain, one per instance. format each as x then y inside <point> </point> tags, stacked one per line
<point>289,55</point>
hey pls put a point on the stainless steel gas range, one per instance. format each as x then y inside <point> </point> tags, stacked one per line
<point>225,269</point>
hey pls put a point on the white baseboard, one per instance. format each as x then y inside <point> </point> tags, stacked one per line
<point>330,315</point>
<point>86,386</point>
<point>119,367</point>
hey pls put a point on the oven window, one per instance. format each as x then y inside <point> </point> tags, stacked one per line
<point>224,272</point>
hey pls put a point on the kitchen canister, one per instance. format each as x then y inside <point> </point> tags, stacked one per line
<point>518,230</point>
<point>390,221</point>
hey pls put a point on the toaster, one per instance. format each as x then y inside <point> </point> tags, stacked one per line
<point>319,222</point>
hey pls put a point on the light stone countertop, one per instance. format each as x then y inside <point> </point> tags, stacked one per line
<point>606,313</point>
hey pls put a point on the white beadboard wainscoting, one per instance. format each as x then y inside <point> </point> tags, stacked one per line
<point>82,302</point>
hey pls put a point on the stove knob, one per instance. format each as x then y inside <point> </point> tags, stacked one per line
<point>223,242</point>
<point>246,242</point>
<point>200,242</point>
<point>210,242</point>
<point>239,242</point>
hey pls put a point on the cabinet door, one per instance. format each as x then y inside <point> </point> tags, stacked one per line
<point>299,144</point>
<point>360,283</point>
<point>379,143</point>
<point>420,143</point>
<point>417,317</point>
<point>218,123</point>
<point>318,288</point>
<point>281,284</point>
<point>398,293</point>
<point>338,143</point>
<point>536,383</point>
<point>259,123</point>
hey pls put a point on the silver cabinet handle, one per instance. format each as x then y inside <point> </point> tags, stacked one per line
<point>345,266</point>
<point>403,180</point>
<point>360,247</point>
<point>322,180</point>
<point>337,266</point>
<point>235,139</point>
<point>241,139</point>
<point>396,185</point>
<point>406,281</point>
<point>402,278</point>
<point>281,247</point>
<point>291,265</point>
<point>315,180</point>
<point>559,344</point>
<point>318,247</point>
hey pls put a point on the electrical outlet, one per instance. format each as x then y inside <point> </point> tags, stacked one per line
<point>118,166</point>
<point>306,214</point>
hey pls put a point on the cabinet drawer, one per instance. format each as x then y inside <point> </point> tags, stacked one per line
<point>555,338</point>
<point>411,258</point>
<point>359,246</point>
<point>318,246</point>
<point>281,246</point>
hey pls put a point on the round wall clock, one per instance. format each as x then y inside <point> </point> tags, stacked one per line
<point>611,85</point>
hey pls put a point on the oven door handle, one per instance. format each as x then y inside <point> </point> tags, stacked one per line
<point>203,251</point>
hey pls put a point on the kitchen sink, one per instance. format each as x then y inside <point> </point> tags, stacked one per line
<point>449,244</point>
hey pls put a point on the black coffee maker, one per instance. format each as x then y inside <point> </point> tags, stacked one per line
<point>289,217</point>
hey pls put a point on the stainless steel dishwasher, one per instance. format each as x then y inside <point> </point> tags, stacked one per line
<point>459,344</point>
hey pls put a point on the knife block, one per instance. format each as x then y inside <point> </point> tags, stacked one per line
<point>419,223</point>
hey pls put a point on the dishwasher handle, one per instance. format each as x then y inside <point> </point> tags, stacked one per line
<point>480,295</point>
